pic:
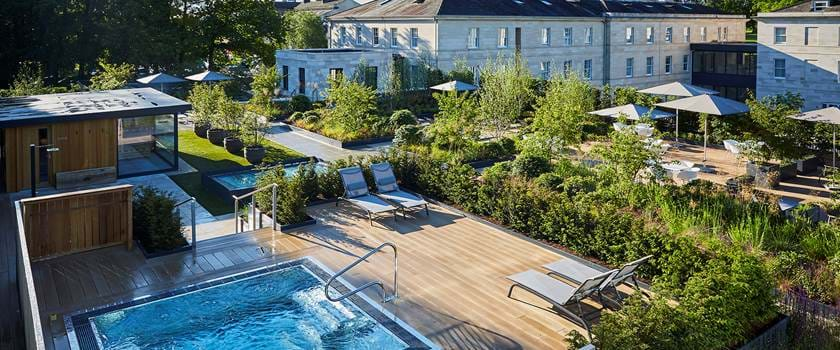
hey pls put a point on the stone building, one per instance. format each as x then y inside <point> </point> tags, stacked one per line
<point>616,42</point>
<point>799,51</point>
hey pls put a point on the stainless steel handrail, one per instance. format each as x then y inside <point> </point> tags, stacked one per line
<point>190,200</point>
<point>251,194</point>
<point>385,299</point>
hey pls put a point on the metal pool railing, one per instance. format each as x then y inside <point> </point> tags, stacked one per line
<point>253,208</point>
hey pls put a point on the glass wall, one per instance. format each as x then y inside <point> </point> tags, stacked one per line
<point>146,144</point>
<point>733,63</point>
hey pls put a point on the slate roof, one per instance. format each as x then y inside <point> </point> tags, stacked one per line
<point>805,6</point>
<point>516,8</point>
<point>283,6</point>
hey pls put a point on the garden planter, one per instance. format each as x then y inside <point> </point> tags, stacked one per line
<point>807,165</point>
<point>200,129</point>
<point>233,144</point>
<point>254,154</point>
<point>766,175</point>
<point>788,171</point>
<point>217,136</point>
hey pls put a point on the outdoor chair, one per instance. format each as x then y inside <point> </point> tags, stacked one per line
<point>619,126</point>
<point>578,272</point>
<point>356,193</point>
<point>688,175</point>
<point>644,130</point>
<point>562,295</point>
<point>387,189</point>
<point>733,147</point>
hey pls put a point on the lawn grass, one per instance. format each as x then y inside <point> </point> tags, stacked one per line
<point>206,157</point>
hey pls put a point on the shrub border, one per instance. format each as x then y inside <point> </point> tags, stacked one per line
<point>336,143</point>
<point>544,245</point>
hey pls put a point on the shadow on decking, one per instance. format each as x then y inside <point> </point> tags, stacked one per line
<point>455,333</point>
<point>345,215</point>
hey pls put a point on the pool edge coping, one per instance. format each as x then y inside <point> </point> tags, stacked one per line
<point>87,313</point>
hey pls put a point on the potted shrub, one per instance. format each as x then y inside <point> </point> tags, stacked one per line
<point>291,196</point>
<point>234,113</point>
<point>204,99</point>
<point>254,128</point>
<point>157,225</point>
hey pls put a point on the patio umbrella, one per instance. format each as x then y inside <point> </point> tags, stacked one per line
<point>633,112</point>
<point>160,78</point>
<point>830,115</point>
<point>208,76</point>
<point>680,90</point>
<point>454,85</point>
<point>708,104</point>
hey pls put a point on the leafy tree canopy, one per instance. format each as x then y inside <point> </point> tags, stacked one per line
<point>304,30</point>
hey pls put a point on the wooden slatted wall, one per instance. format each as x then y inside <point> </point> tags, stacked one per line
<point>83,144</point>
<point>77,221</point>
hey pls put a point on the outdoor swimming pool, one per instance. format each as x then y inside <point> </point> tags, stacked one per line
<point>282,308</point>
<point>247,179</point>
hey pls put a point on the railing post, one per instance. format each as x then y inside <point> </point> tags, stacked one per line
<point>236,214</point>
<point>274,207</point>
<point>194,234</point>
<point>253,212</point>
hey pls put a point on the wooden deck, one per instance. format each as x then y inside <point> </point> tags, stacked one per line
<point>452,275</point>
<point>808,188</point>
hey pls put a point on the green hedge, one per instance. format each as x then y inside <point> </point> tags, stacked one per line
<point>723,293</point>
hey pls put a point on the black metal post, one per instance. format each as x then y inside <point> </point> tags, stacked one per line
<point>32,177</point>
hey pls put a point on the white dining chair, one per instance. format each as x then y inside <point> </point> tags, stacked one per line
<point>619,126</point>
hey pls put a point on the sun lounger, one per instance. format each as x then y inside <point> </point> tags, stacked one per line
<point>561,295</point>
<point>356,193</point>
<point>578,272</point>
<point>387,189</point>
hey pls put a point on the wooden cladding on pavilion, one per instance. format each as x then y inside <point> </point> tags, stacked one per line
<point>86,144</point>
<point>77,221</point>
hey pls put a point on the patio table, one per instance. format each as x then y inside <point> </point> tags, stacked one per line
<point>675,167</point>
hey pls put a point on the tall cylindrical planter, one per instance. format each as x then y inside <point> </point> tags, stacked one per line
<point>233,144</point>
<point>217,136</point>
<point>200,129</point>
<point>254,154</point>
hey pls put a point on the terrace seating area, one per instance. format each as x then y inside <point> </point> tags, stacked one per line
<point>453,286</point>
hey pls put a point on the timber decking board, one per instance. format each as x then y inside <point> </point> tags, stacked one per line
<point>452,274</point>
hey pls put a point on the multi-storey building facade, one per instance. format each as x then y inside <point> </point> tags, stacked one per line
<point>608,42</point>
<point>799,52</point>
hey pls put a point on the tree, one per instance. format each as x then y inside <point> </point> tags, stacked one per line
<point>111,76</point>
<point>28,81</point>
<point>205,100</point>
<point>628,94</point>
<point>785,138</point>
<point>562,113</point>
<point>353,104</point>
<point>304,30</point>
<point>454,127</point>
<point>505,92</point>
<point>262,86</point>
<point>626,154</point>
<point>461,72</point>
<point>242,27</point>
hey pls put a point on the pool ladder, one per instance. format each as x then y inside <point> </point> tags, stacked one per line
<point>385,298</point>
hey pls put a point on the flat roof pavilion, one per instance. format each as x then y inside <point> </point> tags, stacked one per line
<point>72,106</point>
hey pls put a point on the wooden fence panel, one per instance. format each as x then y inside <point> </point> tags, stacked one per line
<point>77,221</point>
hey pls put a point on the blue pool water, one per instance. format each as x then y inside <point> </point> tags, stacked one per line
<point>284,309</point>
<point>248,179</point>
